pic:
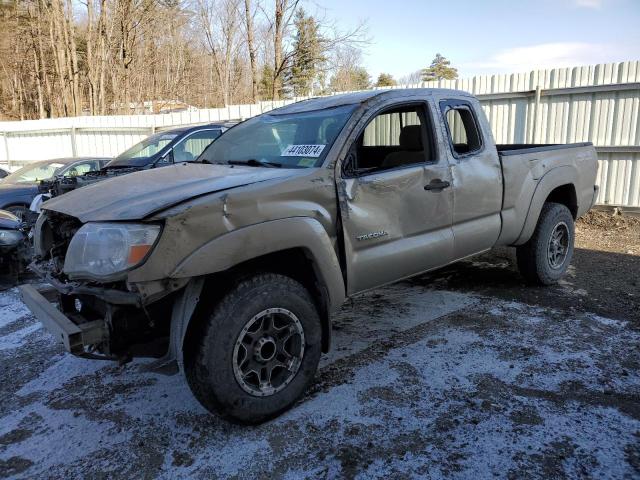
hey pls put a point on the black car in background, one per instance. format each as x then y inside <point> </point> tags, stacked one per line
<point>3,173</point>
<point>18,189</point>
<point>15,247</point>
<point>184,144</point>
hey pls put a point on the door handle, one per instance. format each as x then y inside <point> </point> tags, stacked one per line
<point>437,185</point>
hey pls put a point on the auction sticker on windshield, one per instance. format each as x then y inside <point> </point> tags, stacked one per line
<point>303,151</point>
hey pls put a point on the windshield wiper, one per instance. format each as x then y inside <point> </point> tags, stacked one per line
<point>252,162</point>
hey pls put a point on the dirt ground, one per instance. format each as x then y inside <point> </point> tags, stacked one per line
<point>466,372</point>
<point>604,276</point>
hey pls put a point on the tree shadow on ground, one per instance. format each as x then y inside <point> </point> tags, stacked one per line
<point>604,283</point>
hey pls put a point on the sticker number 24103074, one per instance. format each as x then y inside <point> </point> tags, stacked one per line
<point>303,151</point>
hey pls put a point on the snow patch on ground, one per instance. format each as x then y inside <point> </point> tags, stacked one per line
<point>499,389</point>
<point>61,437</point>
<point>18,338</point>
<point>61,372</point>
<point>11,308</point>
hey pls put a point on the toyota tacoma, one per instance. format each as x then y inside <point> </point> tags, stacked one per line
<point>231,266</point>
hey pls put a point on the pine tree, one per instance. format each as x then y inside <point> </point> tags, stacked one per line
<point>265,87</point>
<point>307,55</point>
<point>385,80</point>
<point>439,69</point>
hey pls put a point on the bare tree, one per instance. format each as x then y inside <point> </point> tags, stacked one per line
<point>330,39</point>
<point>63,44</point>
<point>349,74</point>
<point>220,21</point>
<point>66,57</point>
<point>99,37</point>
<point>282,21</point>
<point>249,15</point>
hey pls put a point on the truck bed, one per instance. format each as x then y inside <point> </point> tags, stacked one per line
<point>525,165</point>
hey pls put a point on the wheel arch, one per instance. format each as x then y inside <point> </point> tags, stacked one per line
<point>298,247</point>
<point>565,195</point>
<point>14,203</point>
<point>559,186</point>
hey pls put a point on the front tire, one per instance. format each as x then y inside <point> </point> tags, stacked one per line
<point>259,350</point>
<point>545,258</point>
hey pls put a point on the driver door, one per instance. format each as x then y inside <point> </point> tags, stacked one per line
<point>396,200</point>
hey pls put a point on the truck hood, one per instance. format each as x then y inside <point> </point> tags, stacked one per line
<point>138,195</point>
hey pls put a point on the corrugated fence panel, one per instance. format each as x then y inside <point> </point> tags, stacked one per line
<point>41,145</point>
<point>603,111</point>
<point>107,143</point>
<point>619,179</point>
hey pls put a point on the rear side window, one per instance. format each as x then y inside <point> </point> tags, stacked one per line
<point>462,127</point>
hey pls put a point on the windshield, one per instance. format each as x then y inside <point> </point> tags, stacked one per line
<point>295,140</point>
<point>35,172</point>
<point>139,154</point>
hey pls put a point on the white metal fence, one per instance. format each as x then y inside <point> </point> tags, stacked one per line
<point>597,103</point>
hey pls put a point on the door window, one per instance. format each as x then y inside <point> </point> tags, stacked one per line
<point>80,169</point>
<point>394,138</point>
<point>191,148</point>
<point>462,127</point>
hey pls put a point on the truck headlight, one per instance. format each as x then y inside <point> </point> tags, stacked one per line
<point>100,250</point>
<point>10,238</point>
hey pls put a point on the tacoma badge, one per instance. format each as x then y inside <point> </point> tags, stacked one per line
<point>372,235</point>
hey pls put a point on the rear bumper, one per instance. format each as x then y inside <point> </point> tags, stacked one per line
<point>74,336</point>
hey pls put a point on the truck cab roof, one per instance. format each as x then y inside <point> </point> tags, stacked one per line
<point>361,98</point>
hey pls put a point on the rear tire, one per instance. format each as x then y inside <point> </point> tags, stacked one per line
<point>545,258</point>
<point>257,351</point>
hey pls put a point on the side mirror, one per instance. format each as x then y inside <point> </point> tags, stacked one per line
<point>167,157</point>
<point>349,164</point>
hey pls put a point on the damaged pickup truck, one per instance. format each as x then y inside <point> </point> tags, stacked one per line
<point>234,264</point>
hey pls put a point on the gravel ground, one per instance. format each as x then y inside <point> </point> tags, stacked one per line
<point>461,373</point>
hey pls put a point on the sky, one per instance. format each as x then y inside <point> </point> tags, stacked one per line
<point>491,36</point>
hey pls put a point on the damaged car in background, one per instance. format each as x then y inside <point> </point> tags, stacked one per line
<point>231,266</point>
<point>19,189</point>
<point>161,149</point>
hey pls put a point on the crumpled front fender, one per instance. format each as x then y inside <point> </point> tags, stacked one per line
<point>260,239</point>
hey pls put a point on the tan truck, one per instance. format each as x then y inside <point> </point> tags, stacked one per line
<point>233,265</point>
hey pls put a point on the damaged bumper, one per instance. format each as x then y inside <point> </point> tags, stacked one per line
<point>116,297</point>
<point>74,334</point>
<point>106,322</point>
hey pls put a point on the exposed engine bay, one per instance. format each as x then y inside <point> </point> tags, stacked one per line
<point>60,185</point>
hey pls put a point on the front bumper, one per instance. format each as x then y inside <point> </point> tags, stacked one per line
<point>75,335</point>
